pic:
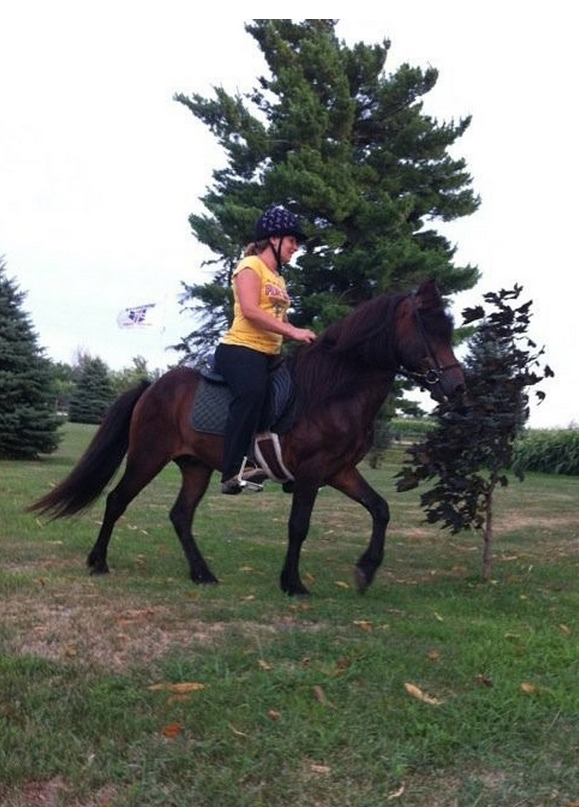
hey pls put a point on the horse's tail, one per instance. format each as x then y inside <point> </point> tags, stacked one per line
<point>98,464</point>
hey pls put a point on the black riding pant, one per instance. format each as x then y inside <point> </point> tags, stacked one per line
<point>246,372</point>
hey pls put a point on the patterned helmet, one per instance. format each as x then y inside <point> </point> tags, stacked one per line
<point>277,221</point>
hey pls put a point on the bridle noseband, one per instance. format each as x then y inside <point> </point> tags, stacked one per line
<point>433,374</point>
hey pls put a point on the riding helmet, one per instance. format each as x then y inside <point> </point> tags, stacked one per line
<point>277,221</point>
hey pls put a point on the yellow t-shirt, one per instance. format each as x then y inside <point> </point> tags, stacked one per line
<point>273,298</point>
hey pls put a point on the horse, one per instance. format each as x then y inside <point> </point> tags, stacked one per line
<point>341,381</point>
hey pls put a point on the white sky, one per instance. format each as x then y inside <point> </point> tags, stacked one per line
<point>100,167</point>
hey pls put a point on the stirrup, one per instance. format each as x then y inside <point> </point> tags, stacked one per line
<point>251,478</point>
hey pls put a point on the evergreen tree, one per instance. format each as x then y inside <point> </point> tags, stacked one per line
<point>470,450</point>
<point>349,149</point>
<point>28,420</point>
<point>93,393</point>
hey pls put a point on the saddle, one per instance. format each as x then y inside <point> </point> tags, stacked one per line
<point>213,397</point>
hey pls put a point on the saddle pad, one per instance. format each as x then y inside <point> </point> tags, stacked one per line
<point>210,407</point>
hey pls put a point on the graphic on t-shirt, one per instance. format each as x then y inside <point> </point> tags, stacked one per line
<point>278,299</point>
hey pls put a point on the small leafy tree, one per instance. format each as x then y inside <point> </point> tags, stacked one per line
<point>93,393</point>
<point>130,376</point>
<point>470,449</point>
<point>63,375</point>
<point>28,420</point>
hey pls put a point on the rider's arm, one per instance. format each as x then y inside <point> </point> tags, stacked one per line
<point>248,287</point>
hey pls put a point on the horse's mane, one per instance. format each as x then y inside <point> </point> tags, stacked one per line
<point>363,341</point>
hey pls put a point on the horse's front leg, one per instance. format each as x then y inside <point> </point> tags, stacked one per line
<point>304,497</point>
<point>353,484</point>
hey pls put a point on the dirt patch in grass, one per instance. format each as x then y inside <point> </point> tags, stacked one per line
<point>110,634</point>
<point>77,624</point>
<point>507,522</point>
<point>50,793</point>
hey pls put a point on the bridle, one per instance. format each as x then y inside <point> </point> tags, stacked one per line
<point>433,374</point>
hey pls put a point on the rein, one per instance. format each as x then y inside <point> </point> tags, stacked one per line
<point>433,374</point>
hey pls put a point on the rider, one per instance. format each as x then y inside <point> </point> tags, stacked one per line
<point>249,347</point>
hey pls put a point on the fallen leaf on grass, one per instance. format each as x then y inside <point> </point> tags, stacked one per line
<point>529,689</point>
<point>363,624</point>
<point>320,768</point>
<point>483,680</point>
<point>417,693</point>
<point>396,793</point>
<point>274,715</point>
<point>434,655</point>
<point>341,584</point>
<point>237,732</point>
<point>565,629</point>
<point>264,665</point>
<point>172,730</point>
<point>181,688</point>
<point>321,696</point>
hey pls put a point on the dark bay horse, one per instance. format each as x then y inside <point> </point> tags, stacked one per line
<point>342,380</point>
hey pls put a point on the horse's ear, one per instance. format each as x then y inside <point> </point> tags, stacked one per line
<point>428,295</point>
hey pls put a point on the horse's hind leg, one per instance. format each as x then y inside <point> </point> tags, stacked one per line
<point>195,481</point>
<point>353,484</point>
<point>138,473</point>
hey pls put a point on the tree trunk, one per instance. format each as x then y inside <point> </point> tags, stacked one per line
<point>487,557</point>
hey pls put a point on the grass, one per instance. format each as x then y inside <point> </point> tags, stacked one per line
<point>282,701</point>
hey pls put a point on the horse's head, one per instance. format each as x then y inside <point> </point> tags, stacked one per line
<point>424,343</point>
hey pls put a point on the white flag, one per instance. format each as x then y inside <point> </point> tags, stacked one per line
<point>139,316</point>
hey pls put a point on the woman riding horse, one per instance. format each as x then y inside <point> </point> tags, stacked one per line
<point>341,379</point>
<point>260,323</point>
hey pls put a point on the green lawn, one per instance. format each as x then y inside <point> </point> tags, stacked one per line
<point>431,689</point>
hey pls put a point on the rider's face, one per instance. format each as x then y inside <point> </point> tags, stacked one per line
<point>289,245</point>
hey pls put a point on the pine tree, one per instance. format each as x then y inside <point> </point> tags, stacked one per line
<point>93,393</point>
<point>28,420</point>
<point>470,450</point>
<point>349,149</point>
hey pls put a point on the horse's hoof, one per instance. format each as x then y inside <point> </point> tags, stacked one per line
<point>298,592</point>
<point>204,580</point>
<point>96,570</point>
<point>360,580</point>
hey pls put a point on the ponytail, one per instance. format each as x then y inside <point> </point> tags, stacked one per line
<point>256,247</point>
